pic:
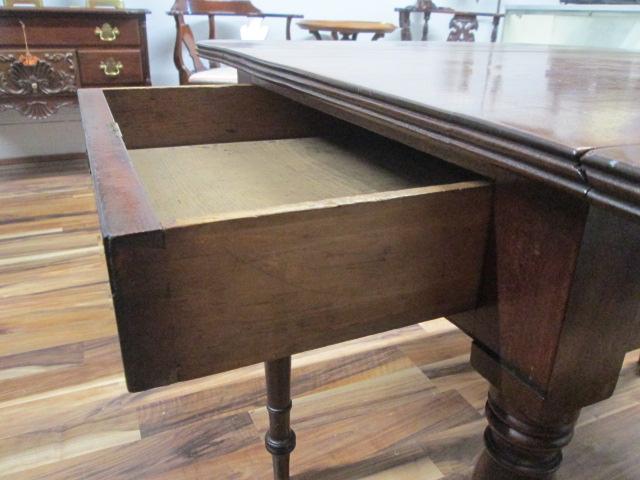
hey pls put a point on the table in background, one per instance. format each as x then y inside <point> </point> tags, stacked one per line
<point>348,30</point>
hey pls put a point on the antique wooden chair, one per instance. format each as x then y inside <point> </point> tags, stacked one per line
<point>185,37</point>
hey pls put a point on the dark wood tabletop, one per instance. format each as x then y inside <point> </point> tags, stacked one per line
<point>545,107</point>
<point>556,129</point>
<point>31,11</point>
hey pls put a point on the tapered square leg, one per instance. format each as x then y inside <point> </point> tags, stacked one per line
<point>280,440</point>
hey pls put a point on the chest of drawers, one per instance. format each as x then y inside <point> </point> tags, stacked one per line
<point>76,47</point>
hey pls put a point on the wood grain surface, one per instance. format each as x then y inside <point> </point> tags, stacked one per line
<point>92,75</point>
<point>167,117</point>
<point>220,295</point>
<point>215,251</point>
<point>346,26</point>
<point>491,108</point>
<point>218,180</point>
<point>400,405</point>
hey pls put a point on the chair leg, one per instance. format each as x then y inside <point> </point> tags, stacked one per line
<point>280,440</point>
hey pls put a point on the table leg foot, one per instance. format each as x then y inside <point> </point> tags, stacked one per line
<point>517,448</point>
<point>280,440</point>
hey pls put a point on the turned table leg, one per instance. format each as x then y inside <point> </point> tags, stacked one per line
<point>557,314</point>
<point>280,440</point>
<point>519,448</point>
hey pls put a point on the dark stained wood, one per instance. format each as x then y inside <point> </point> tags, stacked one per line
<point>206,7</point>
<point>270,275</point>
<point>280,439</point>
<point>98,12</point>
<point>162,117</point>
<point>561,285</point>
<point>535,244</point>
<point>625,158</point>
<point>517,448</point>
<point>597,317</point>
<point>56,74</point>
<point>622,163</point>
<point>81,36</point>
<point>79,30</point>
<point>65,412</point>
<point>403,404</point>
<point>476,115</point>
<point>602,317</point>
<point>123,208</point>
<point>126,66</point>
<point>596,312</point>
<point>269,266</point>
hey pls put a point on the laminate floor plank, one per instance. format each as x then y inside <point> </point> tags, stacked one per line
<point>400,405</point>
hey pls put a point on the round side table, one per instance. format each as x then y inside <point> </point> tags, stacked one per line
<point>346,30</point>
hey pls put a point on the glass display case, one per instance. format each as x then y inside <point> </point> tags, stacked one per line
<point>607,26</point>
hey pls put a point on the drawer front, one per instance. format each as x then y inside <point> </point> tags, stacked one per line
<point>100,68</point>
<point>71,31</point>
<point>232,293</point>
<point>56,73</point>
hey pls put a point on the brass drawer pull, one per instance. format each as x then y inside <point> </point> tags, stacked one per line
<point>111,67</point>
<point>107,33</point>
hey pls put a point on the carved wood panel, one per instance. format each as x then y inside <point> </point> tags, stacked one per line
<point>55,73</point>
<point>462,28</point>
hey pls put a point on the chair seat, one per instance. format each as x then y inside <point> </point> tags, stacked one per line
<point>215,75</point>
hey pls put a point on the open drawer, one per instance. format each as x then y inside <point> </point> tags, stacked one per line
<point>240,227</point>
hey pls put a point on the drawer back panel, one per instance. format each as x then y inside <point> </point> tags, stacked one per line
<point>169,117</point>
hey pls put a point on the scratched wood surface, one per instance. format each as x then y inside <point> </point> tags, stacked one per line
<point>400,405</point>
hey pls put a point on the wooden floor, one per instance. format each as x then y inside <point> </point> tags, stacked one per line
<point>403,405</point>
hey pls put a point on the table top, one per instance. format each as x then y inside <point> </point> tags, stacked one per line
<point>533,110</point>
<point>12,11</point>
<point>347,26</point>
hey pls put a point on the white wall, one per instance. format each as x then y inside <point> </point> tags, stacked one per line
<point>161,29</point>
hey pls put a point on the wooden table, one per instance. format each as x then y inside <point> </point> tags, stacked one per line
<point>383,221</point>
<point>349,30</point>
<point>76,47</point>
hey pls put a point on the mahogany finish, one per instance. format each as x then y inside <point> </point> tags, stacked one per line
<point>280,439</point>
<point>561,285</point>
<point>353,251</point>
<point>75,33</point>
<point>92,73</point>
<point>474,114</point>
